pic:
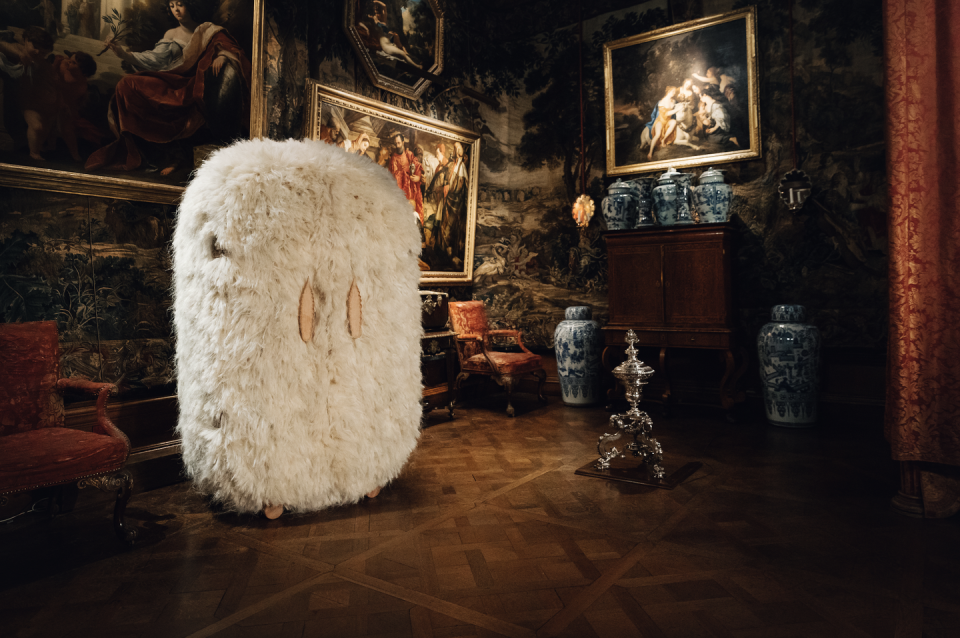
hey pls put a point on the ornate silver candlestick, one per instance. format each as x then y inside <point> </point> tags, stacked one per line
<point>633,374</point>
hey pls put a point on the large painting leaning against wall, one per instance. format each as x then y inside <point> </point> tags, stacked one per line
<point>685,95</point>
<point>120,98</point>
<point>434,163</point>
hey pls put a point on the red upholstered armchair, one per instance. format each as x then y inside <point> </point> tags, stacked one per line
<point>36,450</point>
<point>479,353</point>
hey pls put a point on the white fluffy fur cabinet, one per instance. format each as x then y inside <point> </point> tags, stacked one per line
<point>286,398</point>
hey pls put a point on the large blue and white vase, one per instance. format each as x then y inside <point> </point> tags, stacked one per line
<point>685,211</point>
<point>645,193</point>
<point>671,198</point>
<point>789,352</point>
<point>621,206</point>
<point>712,197</point>
<point>579,347</point>
<point>665,198</point>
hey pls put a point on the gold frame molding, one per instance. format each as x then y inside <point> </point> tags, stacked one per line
<point>413,91</point>
<point>110,187</point>
<point>749,15</point>
<point>318,95</point>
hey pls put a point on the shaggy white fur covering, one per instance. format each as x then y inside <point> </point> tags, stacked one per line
<point>266,418</point>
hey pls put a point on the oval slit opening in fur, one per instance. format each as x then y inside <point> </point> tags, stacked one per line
<point>355,311</point>
<point>306,313</point>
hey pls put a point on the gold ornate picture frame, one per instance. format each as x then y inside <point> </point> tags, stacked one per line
<point>684,95</point>
<point>398,42</point>
<point>235,35</point>
<point>436,165</point>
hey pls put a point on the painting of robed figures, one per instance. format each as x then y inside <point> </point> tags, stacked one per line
<point>122,93</point>
<point>682,96</point>
<point>434,164</point>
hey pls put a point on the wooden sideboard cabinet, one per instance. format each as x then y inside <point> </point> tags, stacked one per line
<point>673,288</point>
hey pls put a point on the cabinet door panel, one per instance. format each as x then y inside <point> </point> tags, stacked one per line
<point>636,292</point>
<point>694,279</point>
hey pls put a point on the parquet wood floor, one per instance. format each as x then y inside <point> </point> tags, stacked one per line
<point>488,532</point>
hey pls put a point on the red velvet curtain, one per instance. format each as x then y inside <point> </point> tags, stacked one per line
<point>922,57</point>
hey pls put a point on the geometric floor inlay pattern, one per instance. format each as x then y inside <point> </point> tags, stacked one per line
<point>488,532</point>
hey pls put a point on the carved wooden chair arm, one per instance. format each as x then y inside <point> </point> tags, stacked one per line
<point>468,345</point>
<point>102,390</point>
<point>513,334</point>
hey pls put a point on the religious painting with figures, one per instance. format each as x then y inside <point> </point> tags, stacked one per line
<point>682,96</point>
<point>433,163</point>
<point>127,89</point>
<point>399,42</point>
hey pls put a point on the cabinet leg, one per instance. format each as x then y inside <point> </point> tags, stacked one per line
<point>730,393</point>
<point>666,382</point>
<point>507,383</point>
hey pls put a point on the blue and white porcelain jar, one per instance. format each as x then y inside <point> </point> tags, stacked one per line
<point>579,347</point>
<point>712,197</point>
<point>645,192</point>
<point>671,198</point>
<point>621,206</point>
<point>685,211</point>
<point>665,198</point>
<point>789,352</point>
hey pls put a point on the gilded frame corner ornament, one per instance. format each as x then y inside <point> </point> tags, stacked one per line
<point>429,133</point>
<point>638,46</point>
<point>130,188</point>
<point>382,67</point>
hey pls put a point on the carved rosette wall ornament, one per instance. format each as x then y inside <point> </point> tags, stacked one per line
<point>583,210</point>
<point>399,44</point>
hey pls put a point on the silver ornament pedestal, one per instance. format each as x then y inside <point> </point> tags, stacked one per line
<point>613,464</point>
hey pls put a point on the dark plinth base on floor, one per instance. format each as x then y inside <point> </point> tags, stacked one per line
<point>629,471</point>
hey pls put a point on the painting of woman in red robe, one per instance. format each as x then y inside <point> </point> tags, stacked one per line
<point>196,76</point>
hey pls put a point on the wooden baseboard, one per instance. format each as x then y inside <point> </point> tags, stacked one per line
<point>150,424</point>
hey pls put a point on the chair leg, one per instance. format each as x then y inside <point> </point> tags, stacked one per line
<point>122,483</point>
<point>124,488</point>
<point>461,377</point>
<point>507,383</point>
<point>542,375</point>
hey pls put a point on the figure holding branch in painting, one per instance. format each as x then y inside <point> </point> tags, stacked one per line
<point>197,75</point>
